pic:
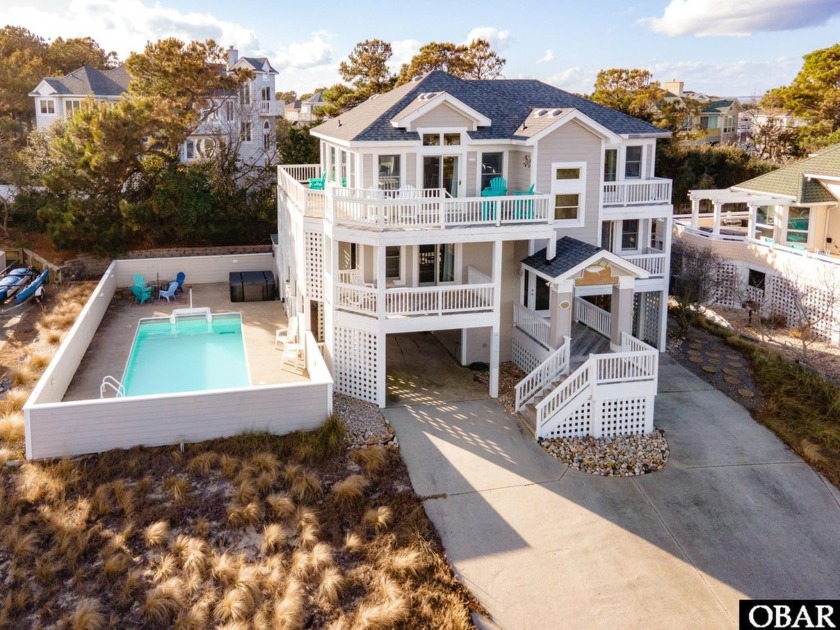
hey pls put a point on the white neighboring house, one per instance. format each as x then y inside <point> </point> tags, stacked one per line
<point>304,111</point>
<point>779,235</point>
<point>247,117</point>
<point>405,226</point>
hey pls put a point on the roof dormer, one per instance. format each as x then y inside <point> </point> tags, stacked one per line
<point>438,109</point>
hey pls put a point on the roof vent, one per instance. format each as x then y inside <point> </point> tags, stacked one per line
<point>555,112</point>
<point>416,79</point>
<point>373,97</point>
<point>427,96</point>
<point>540,113</point>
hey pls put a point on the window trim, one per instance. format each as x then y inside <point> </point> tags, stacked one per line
<point>806,231</point>
<point>45,105</point>
<point>480,167</point>
<point>569,187</point>
<point>625,161</point>
<point>400,173</point>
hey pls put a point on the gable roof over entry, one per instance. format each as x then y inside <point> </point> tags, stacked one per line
<point>574,256</point>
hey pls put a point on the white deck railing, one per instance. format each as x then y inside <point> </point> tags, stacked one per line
<point>556,365</point>
<point>652,261</point>
<point>590,315</point>
<point>637,192</point>
<point>531,323</point>
<point>636,362</point>
<point>433,208</point>
<point>413,301</point>
<point>302,172</point>
<point>309,202</point>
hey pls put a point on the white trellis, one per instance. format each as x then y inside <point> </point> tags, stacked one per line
<point>647,303</point>
<point>578,424</point>
<point>814,304</point>
<point>314,265</point>
<point>626,416</point>
<point>356,365</point>
<point>727,285</point>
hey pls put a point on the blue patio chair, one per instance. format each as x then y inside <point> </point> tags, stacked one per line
<point>317,183</point>
<point>168,293</point>
<point>180,280</point>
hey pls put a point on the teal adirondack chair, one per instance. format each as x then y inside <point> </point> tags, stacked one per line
<point>497,188</point>
<point>525,209</point>
<point>317,183</point>
<point>141,294</point>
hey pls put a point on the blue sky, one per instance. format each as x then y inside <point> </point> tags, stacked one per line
<point>738,50</point>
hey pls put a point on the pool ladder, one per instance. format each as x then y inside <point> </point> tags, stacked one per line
<point>109,382</point>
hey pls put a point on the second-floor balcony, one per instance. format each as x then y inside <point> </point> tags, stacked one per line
<point>637,192</point>
<point>397,302</point>
<point>271,108</point>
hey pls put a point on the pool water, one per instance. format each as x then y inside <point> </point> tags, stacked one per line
<point>190,355</point>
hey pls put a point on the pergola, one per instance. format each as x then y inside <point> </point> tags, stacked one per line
<point>721,197</point>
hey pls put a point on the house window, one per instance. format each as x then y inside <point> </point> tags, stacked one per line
<point>245,94</point>
<point>756,279</point>
<point>392,262</point>
<point>610,165</point>
<point>567,173</point>
<point>451,139</point>
<point>265,93</point>
<point>245,131</point>
<point>797,224</point>
<point>266,136</point>
<point>630,234</point>
<point>431,139</point>
<point>71,107</point>
<point>633,163</point>
<point>47,106</point>
<point>729,126</point>
<point>389,172</point>
<point>566,206</point>
<point>229,110</point>
<point>491,166</point>
<point>190,149</point>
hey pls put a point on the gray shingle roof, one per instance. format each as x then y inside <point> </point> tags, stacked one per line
<point>258,63</point>
<point>90,81</point>
<point>790,180</point>
<point>506,102</point>
<point>570,253</point>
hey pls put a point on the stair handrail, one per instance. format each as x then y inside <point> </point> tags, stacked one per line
<point>555,364</point>
<point>109,382</point>
<point>574,384</point>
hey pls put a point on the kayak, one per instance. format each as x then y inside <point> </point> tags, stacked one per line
<point>26,293</point>
<point>12,284</point>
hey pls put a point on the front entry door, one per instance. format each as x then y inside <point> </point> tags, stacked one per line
<point>436,264</point>
<point>441,171</point>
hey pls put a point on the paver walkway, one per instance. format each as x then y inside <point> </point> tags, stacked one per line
<point>735,514</point>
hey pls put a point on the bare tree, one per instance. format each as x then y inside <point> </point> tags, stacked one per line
<point>694,281</point>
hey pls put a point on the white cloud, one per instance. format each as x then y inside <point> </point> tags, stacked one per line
<point>574,79</point>
<point>404,50</point>
<point>127,25</point>
<point>317,51</point>
<point>498,39</point>
<point>548,56</point>
<point>713,17</point>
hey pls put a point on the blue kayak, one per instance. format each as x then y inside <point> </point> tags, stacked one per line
<point>26,293</point>
<point>12,284</point>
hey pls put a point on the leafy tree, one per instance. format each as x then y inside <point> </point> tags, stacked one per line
<point>289,96</point>
<point>482,61</point>
<point>66,55</point>
<point>23,67</point>
<point>339,98</point>
<point>814,95</point>
<point>299,147</point>
<point>444,56</point>
<point>631,91</point>
<point>367,69</point>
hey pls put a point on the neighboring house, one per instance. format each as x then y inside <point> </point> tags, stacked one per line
<point>305,111</point>
<point>717,121</point>
<point>779,234</point>
<point>753,122</point>
<point>514,220</point>
<point>247,117</point>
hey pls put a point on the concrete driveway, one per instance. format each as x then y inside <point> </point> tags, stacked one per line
<point>733,515</point>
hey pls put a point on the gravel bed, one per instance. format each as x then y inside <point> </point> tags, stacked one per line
<point>366,426</point>
<point>625,456</point>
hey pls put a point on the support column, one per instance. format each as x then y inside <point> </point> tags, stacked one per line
<point>695,214</point>
<point>561,305</point>
<point>497,312</point>
<point>716,218</point>
<point>622,310</point>
<point>752,221</point>
<point>380,281</point>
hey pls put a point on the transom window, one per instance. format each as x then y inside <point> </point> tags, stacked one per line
<point>438,139</point>
<point>47,106</point>
<point>566,206</point>
<point>567,173</point>
<point>633,163</point>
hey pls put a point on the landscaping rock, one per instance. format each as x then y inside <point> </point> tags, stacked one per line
<point>625,456</point>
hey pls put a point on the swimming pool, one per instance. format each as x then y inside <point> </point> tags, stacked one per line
<point>185,354</point>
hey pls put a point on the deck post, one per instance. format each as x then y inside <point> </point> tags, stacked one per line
<point>718,206</point>
<point>561,307</point>
<point>498,245</point>
<point>695,213</point>
<point>622,310</point>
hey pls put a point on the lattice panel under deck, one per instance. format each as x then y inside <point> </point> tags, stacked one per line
<point>314,265</point>
<point>816,305</point>
<point>526,361</point>
<point>578,424</point>
<point>727,285</point>
<point>356,372</point>
<point>625,416</point>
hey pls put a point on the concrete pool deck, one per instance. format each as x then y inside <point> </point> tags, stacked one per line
<point>108,352</point>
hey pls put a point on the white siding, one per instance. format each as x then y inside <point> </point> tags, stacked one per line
<point>442,116</point>
<point>519,177</point>
<point>198,269</point>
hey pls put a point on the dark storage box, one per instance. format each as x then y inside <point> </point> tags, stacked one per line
<point>252,286</point>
